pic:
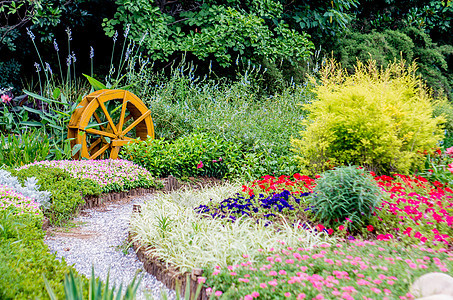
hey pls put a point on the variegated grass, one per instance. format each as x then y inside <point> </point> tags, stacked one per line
<point>176,234</point>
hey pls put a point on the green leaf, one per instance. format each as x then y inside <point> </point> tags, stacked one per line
<point>56,93</point>
<point>76,149</point>
<point>97,85</point>
<point>39,97</point>
<point>31,123</point>
<point>95,125</point>
<point>35,111</point>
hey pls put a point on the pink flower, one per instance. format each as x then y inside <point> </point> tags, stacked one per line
<point>5,98</point>
<point>233,273</point>
<point>282,272</point>
<point>218,293</point>
<point>200,165</point>
<point>449,151</point>
<point>201,279</point>
<point>273,282</point>
<point>263,285</point>
<point>301,296</point>
<point>287,294</point>
<point>255,294</point>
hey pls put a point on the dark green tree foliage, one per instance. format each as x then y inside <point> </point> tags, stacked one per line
<point>432,16</point>
<point>224,30</point>
<point>410,43</point>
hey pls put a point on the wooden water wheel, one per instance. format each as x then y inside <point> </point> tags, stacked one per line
<point>107,120</point>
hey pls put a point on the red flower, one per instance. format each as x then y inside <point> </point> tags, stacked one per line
<point>370,228</point>
<point>330,231</point>
<point>341,227</point>
<point>320,227</point>
<point>200,165</point>
<point>408,231</point>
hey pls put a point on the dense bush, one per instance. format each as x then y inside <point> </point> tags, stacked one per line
<point>377,118</point>
<point>443,107</point>
<point>345,192</point>
<point>66,191</point>
<point>25,258</point>
<point>202,154</point>
<point>409,43</point>
<point>194,155</point>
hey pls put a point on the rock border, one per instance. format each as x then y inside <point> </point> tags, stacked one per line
<point>168,274</point>
<point>94,201</point>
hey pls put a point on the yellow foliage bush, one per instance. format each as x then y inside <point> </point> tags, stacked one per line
<point>379,118</point>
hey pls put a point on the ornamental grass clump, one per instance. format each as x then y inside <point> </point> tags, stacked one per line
<point>345,193</point>
<point>381,119</point>
<point>185,239</point>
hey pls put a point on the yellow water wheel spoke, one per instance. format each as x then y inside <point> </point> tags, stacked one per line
<point>123,113</point>
<point>100,151</point>
<point>107,115</point>
<point>107,139</point>
<point>94,144</point>
<point>103,133</point>
<point>135,123</point>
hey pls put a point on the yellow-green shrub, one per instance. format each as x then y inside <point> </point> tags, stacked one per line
<point>378,118</point>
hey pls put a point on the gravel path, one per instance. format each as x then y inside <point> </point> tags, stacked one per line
<point>101,242</point>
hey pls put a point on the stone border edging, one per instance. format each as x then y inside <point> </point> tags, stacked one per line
<point>167,273</point>
<point>94,201</point>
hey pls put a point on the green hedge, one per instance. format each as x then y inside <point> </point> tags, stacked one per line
<point>25,258</point>
<point>67,192</point>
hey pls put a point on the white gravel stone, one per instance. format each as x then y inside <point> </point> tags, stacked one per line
<point>101,242</point>
<point>432,284</point>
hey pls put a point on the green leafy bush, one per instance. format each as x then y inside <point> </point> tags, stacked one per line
<point>23,149</point>
<point>24,258</point>
<point>409,43</point>
<point>345,192</point>
<point>202,154</point>
<point>377,118</point>
<point>193,155</point>
<point>223,32</point>
<point>443,107</point>
<point>67,192</point>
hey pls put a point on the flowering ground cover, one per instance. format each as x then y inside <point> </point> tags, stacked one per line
<point>346,270</point>
<point>20,203</point>
<point>111,175</point>
<point>413,210</point>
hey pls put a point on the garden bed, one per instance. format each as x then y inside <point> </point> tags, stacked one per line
<point>168,274</point>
